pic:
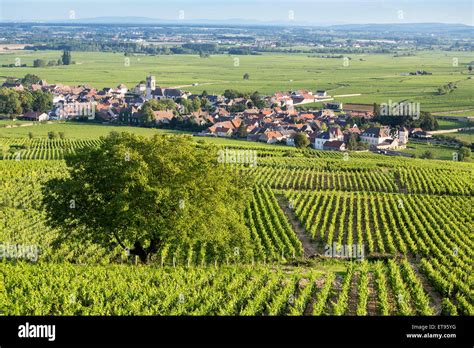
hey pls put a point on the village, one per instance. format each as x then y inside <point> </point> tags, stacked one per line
<point>275,119</point>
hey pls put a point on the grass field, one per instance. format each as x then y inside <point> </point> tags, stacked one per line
<point>377,77</point>
<point>466,112</point>
<point>467,136</point>
<point>75,130</point>
<point>439,152</point>
<point>451,124</point>
<point>11,122</point>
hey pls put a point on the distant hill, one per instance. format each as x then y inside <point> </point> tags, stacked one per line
<point>157,21</point>
<point>401,28</point>
<point>422,28</point>
<point>121,20</point>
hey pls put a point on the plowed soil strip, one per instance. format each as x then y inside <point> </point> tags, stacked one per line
<point>308,246</point>
<point>372,302</point>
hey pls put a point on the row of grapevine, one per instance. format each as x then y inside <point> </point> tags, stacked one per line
<point>66,289</point>
<point>436,181</point>
<point>438,228</point>
<point>43,148</point>
<point>271,231</point>
<point>317,179</point>
<point>389,223</point>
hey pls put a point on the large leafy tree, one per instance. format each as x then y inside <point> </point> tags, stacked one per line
<point>66,57</point>
<point>42,101</point>
<point>464,153</point>
<point>352,143</point>
<point>160,105</point>
<point>30,79</point>
<point>428,122</point>
<point>257,100</point>
<point>301,140</point>
<point>196,104</point>
<point>147,115</point>
<point>140,193</point>
<point>10,103</point>
<point>187,104</point>
<point>26,100</point>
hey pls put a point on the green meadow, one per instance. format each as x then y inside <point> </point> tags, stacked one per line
<point>467,136</point>
<point>439,152</point>
<point>378,78</point>
<point>452,123</point>
<point>75,130</point>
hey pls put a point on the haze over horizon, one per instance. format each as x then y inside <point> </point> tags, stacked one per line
<point>315,12</point>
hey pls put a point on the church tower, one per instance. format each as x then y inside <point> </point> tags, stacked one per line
<point>150,86</point>
<point>403,135</point>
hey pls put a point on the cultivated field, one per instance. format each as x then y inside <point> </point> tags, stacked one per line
<point>410,216</point>
<point>377,77</point>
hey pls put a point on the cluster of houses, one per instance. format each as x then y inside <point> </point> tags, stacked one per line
<point>279,122</point>
<point>324,130</point>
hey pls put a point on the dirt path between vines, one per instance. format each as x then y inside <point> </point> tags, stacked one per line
<point>372,302</point>
<point>309,248</point>
<point>436,298</point>
<point>353,295</point>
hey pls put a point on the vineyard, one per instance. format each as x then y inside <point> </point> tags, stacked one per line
<point>301,169</point>
<point>47,149</point>
<point>435,229</point>
<point>229,290</point>
<point>364,172</point>
<point>413,218</point>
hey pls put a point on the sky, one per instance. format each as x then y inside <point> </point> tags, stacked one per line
<point>317,12</point>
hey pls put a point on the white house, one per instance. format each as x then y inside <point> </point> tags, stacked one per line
<point>334,145</point>
<point>35,116</point>
<point>320,140</point>
<point>122,89</point>
<point>375,135</point>
<point>333,134</point>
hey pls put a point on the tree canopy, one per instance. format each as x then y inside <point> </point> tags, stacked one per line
<point>301,140</point>
<point>30,79</point>
<point>66,58</point>
<point>10,103</point>
<point>425,120</point>
<point>142,193</point>
<point>17,102</point>
<point>160,105</point>
<point>464,153</point>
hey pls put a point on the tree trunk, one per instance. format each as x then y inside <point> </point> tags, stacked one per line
<point>143,253</point>
<point>140,252</point>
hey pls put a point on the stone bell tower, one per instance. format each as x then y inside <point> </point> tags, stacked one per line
<point>150,86</point>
